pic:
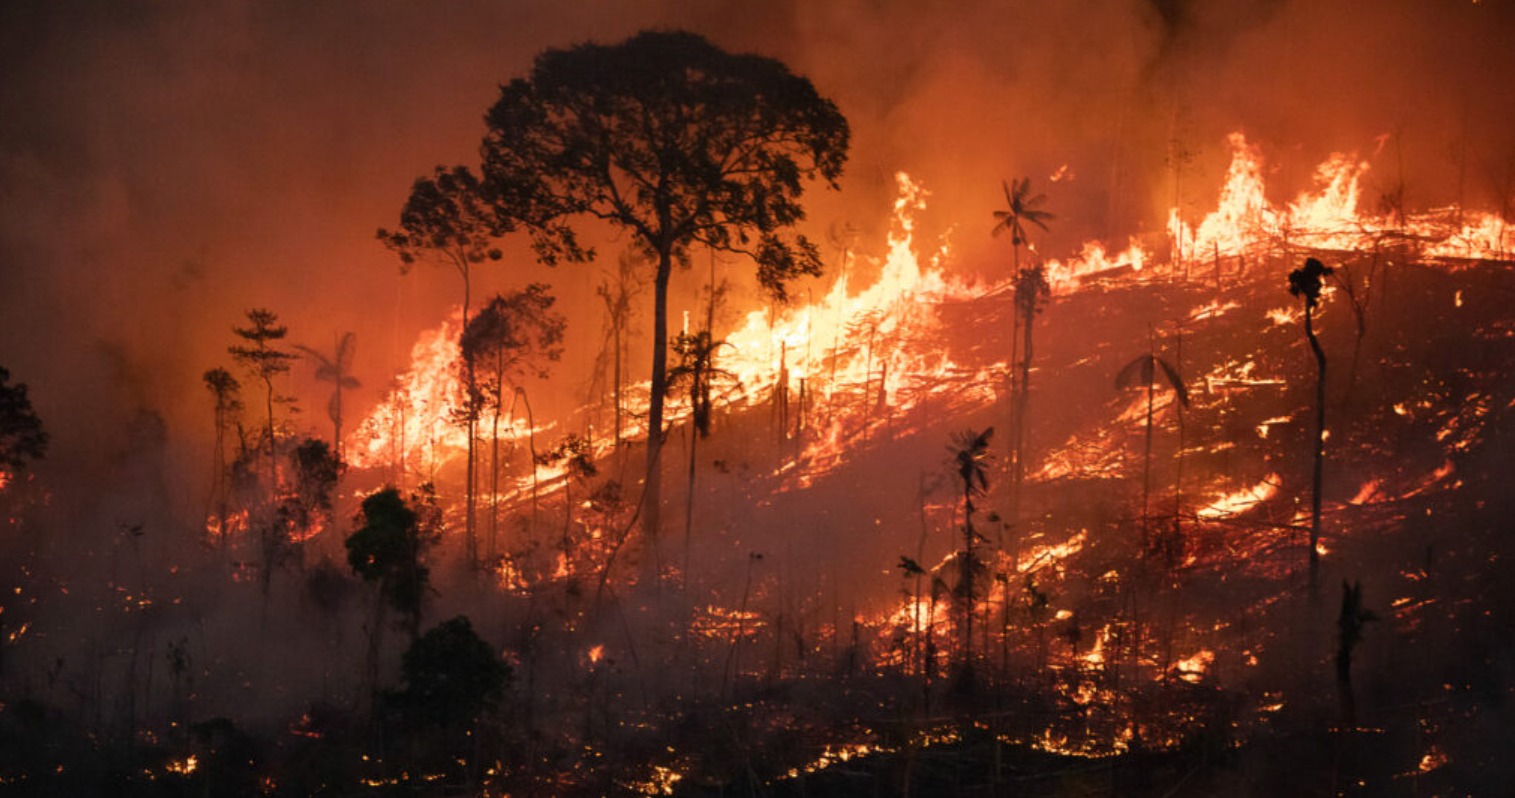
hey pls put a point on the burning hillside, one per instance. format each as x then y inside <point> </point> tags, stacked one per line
<point>715,472</point>
<point>1122,601</point>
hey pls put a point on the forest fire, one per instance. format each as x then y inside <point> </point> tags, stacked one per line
<point>1142,438</point>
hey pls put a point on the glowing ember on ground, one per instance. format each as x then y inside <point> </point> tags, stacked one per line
<point>1192,669</point>
<point>1433,759</point>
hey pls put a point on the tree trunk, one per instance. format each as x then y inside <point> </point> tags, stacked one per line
<point>470,520</point>
<point>1021,430</point>
<point>494,455</point>
<point>336,421</point>
<point>1320,446</point>
<point>652,497</point>
<point>618,323</point>
<point>269,393</point>
<point>1147,462</point>
<point>1015,389</point>
<point>967,585</point>
<point>1347,700</point>
<point>694,442</point>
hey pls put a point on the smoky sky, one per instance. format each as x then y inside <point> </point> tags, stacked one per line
<point>166,165</point>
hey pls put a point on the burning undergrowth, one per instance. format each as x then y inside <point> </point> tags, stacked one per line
<point>1117,574</point>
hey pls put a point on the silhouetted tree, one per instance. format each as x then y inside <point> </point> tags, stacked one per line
<point>970,452</point>
<point>451,676</point>
<point>617,293</point>
<point>1021,208</point>
<point>676,142</point>
<point>448,219</point>
<point>314,468</point>
<point>1031,292</point>
<point>293,511</point>
<point>576,454</point>
<point>1142,372</point>
<point>337,370</point>
<point>225,391</point>
<point>697,371</point>
<point>386,550</point>
<point>910,569</point>
<point>515,335</point>
<point>264,361</point>
<point>1349,625</point>
<point>21,435</point>
<point>1306,282</point>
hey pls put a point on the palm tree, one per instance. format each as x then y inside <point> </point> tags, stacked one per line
<point>1306,282</point>
<point>337,370</point>
<point>970,455</point>
<point>910,569</point>
<point>1142,373</point>
<point>1022,209</point>
<point>1031,292</point>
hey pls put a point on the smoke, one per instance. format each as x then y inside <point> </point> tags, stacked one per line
<point>164,167</point>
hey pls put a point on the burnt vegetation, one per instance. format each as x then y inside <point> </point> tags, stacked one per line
<point>1118,594</point>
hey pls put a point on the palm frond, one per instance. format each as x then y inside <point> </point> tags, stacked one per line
<point>1142,372</point>
<point>1136,374</point>
<point>1174,381</point>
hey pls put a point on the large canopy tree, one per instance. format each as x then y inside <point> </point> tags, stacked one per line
<point>676,142</point>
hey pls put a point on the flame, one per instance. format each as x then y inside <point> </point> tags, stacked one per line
<point>808,339</point>
<point>1093,259</point>
<point>660,781</point>
<point>856,356</point>
<point>414,424</point>
<point>1192,669</point>
<point>596,653</point>
<point>1240,501</point>
<point>1367,494</point>
<point>1245,224</point>
<point>854,352</point>
<point>835,754</point>
<point>231,525</point>
<point>721,623</point>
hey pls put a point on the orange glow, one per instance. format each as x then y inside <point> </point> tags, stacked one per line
<point>1240,501</point>
<point>1192,669</point>
<point>1433,759</point>
<point>1367,494</point>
